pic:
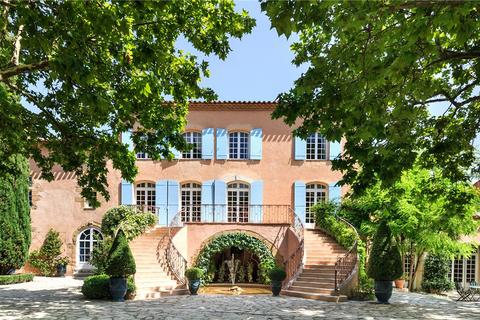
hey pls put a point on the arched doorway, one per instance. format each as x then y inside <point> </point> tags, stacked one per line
<point>250,251</point>
<point>86,241</point>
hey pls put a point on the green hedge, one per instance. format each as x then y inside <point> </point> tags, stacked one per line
<point>325,219</point>
<point>16,278</point>
<point>97,287</point>
<point>241,241</point>
<point>435,274</point>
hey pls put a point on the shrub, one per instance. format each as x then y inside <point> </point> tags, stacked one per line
<point>325,219</point>
<point>435,274</point>
<point>97,287</point>
<point>194,273</point>
<point>120,259</point>
<point>99,257</point>
<point>15,278</point>
<point>15,235</point>
<point>129,219</point>
<point>385,262</point>
<point>277,274</point>
<point>46,258</point>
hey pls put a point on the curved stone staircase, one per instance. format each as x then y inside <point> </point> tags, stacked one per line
<point>317,279</point>
<point>153,278</point>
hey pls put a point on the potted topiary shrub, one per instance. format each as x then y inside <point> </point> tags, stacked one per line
<point>277,275</point>
<point>120,265</point>
<point>194,276</point>
<point>385,263</point>
<point>62,263</point>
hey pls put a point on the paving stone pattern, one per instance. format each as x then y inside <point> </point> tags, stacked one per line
<point>60,298</point>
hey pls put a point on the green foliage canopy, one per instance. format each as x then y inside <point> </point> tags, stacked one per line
<point>132,222</point>
<point>91,69</point>
<point>15,229</point>
<point>373,69</point>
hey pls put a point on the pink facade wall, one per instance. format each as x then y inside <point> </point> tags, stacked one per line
<point>58,204</point>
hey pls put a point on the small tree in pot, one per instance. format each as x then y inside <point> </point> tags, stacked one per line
<point>385,263</point>
<point>277,275</point>
<point>120,265</point>
<point>194,276</point>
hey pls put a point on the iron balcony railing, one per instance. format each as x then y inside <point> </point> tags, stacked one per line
<point>265,214</point>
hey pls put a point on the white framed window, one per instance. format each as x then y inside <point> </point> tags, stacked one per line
<point>238,200</point>
<point>191,194</point>
<point>86,204</point>
<point>145,195</point>
<point>142,155</point>
<point>316,147</point>
<point>464,270</point>
<point>87,240</point>
<point>314,193</point>
<point>238,145</point>
<point>407,260</point>
<point>195,140</point>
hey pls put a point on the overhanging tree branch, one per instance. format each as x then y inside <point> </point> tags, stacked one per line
<point>22,68</point>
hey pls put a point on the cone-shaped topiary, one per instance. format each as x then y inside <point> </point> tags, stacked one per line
<point>385,262</point>
<point>120,259</point>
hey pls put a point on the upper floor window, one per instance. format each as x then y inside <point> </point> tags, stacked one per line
<point>87,204</point>
<point>142,155</point>
<point>315,193</point>
<point>238,145</point>
<point>316,147</point>
<point>145,195</point>
<point>191,201</point>
<point>195,140</point>
<point>238,196</point>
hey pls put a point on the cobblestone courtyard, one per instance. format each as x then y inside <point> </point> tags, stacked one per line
<point>56,298</point>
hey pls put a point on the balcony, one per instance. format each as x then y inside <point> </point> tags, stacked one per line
<point>209,213</point>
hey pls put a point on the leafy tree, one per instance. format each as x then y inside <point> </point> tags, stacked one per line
<point>46,258</point>
<point>92,69</point>
<point>132,222</point>
<point>15,230</point>
<point>435,275</point>
<point>374,67</point>
<point>427,213</point>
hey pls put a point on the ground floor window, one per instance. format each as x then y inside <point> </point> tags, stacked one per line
<point>191,202</point>
<point>145,195</point>
<point>464,270</point>
<point>238,201</point>
<point>87,240</point>
<point>315,192</point>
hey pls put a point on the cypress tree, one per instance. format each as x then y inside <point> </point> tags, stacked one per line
<point>15,229</point>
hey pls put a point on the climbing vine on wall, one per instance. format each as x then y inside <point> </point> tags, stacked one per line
<point>242,241</point>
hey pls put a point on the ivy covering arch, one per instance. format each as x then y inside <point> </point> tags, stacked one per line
<point>242,241</point>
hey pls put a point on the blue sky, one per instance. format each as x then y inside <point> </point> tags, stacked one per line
<point>259,67</point>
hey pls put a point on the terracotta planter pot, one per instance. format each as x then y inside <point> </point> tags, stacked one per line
<point>400,283</point>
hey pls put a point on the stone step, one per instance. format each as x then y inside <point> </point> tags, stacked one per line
<point>315,296</point>
<point>311,289</point>
<point>320,279</point>
<point>328,284</point>
<point>319,266</point>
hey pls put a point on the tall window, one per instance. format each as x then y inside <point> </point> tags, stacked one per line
<point>145,195</point>
<point>30,191</point>
<point>237,202</point>
<point>195,140</point>
<point>142,155</point>
<point>315,192</point>
<point>88,239</point>
<point>463,270</point>
<point>316,147</point>
<point>238,145</point>
<point>191,202</point>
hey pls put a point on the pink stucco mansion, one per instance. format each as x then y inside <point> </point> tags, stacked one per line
<point>245,173</point>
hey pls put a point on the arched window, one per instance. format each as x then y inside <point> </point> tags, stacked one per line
<point>238,145</point>
<point>238,199</point>
<point>145,195</point>
<point>316,147</point>
<point>315,192</point>
<point>87,240</point>
<point>195,140</point>
<point>191,201</point>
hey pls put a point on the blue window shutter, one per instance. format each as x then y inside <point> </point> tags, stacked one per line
<point>127,193</point>
<point>207,201</point>
<point>161,201</point>
<point>173,189</point>
<point>222,143</point>
<point>299,192</point>
<point>334,192</point>
<point>335,150</point>
<point>256,144</point>
<point>220,200</point>
<point>207,143</point>
<point>300,148</point>
<point>127,139</point>
<point>256,201</point>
